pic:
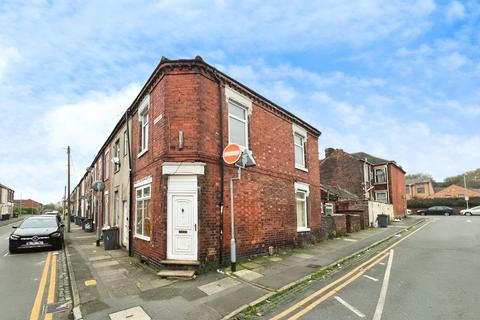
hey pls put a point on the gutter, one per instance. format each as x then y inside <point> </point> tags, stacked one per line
<point>130,181</point>
<point>222,169</point>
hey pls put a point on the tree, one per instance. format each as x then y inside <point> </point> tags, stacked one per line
<point>472,177</point>
<point>419,176</point>
<point>52,207</point>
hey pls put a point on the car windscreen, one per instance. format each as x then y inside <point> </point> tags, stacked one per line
<point>39,223</point>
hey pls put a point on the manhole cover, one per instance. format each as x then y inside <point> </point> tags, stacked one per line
<point>136,313</point>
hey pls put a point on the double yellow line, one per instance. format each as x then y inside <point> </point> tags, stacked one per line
<point>50,263</point>
<point>340,283</point>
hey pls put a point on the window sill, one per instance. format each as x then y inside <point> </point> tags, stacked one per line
<point>303,229</point>
<point>141,237</point>
<point>142,153</point>
<point>377,183</point>
<point>301,168</point>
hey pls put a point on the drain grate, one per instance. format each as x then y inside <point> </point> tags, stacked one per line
<point>314,266</point>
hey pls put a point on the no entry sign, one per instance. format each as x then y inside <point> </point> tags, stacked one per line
<point>232,153</point>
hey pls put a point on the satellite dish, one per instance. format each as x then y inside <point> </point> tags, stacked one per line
<point>246,160</point>
<point>98,186</point>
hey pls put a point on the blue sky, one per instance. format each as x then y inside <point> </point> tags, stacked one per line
<point>398,79</point>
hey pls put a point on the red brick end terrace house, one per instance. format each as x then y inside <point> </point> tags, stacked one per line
<point>182,119</point>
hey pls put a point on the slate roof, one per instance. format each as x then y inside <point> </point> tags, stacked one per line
<point>370,158</point>
<point>342,194</point>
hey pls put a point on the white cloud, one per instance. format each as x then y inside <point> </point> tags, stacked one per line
<point>8,56</point>
<point>86,124</point>
<point>455,11</point>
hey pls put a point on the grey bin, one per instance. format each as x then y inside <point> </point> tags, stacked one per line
<point>382,220</point>
<point>87,225</point>
<point>110,238</point>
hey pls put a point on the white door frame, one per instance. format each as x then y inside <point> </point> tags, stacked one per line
<point>182,185</point>
<point>124,220</point>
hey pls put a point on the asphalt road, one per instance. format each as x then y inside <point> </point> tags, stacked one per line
<point>431,274</point>
<point>20,276</point>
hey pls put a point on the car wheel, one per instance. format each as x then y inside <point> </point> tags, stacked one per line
<point>447,213</point>
<point>12,251</point>
<point>423,213</point>
<point>468,213</point>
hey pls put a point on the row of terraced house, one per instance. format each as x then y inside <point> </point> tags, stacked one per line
<point>160,177</point>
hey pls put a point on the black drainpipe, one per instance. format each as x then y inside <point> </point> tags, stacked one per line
<point>130,202</point>
<point>222,168</point>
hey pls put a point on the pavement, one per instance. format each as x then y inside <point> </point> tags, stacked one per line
<point>109,284</point>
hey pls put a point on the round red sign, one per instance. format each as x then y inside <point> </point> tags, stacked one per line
<point>232,153</point>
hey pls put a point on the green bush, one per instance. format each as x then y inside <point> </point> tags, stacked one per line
<point>449,202</point>
<point>17,211</point>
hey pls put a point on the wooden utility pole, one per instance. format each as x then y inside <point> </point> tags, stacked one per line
<point>64,202</point>
<point>68,194</point>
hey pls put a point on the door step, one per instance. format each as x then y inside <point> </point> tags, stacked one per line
<point>180,262</point>
<point>177,274</point>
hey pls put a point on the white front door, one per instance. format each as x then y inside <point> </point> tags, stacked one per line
<point>125,224</point>
<point>182,218</point>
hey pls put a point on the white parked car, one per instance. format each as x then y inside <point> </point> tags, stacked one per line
<point>471,211</point>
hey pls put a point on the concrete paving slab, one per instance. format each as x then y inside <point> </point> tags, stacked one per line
<point>136,313</point>
<point>302,256</point>
<point>154,284</point>
<point>224,304</point>
<point>275,259</point>
<point>104,264</point>
<point>113,274</point>
<point>98,258</point>
<point>248,275</point>
<point>218,286</point>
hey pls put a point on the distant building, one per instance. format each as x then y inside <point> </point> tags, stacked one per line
<point>6,200</point>
<point>419,188</point>
<point>366,176</point>
<point>455,191</point>
<point>29,204</point>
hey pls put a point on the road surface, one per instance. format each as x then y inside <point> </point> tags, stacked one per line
<point>431,273</point>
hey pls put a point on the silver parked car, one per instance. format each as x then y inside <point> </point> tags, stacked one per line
<point>471,211</point>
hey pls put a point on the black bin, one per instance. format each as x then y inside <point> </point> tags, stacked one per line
<point>110,238</point>
<point>87,225</point>
<point>72,218</point>
<point>382,220</point>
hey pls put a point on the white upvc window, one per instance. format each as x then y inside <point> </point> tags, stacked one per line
<point>381,196</point>
<point>125,143</point>
<point>302,191</point>
<point>143,121</point>
<point>143,214</point>
<point>116,155</point>
<point>237,124</point>
<point>239,108</point>
<point>328,209</point>
<point>380,175</point>
<point>299,141</point>
<point>107,163</point>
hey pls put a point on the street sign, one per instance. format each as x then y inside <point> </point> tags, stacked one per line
<point>467,197</point>
<point>232,153</point>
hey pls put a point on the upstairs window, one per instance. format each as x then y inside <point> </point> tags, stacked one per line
<point>143,124</point>
<point>116,155</point>
<point>380,176</point>
<point>125,143</point>
<point>237,124</point>
<point>299,142</point>
<point>107,164</point>
<point>421,189</point>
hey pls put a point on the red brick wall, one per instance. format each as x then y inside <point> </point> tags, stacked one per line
<point>360,206</point>
<point>353,223</point>
<point>265,213</point>
<point>342,170</point>
<point>397,190</point>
